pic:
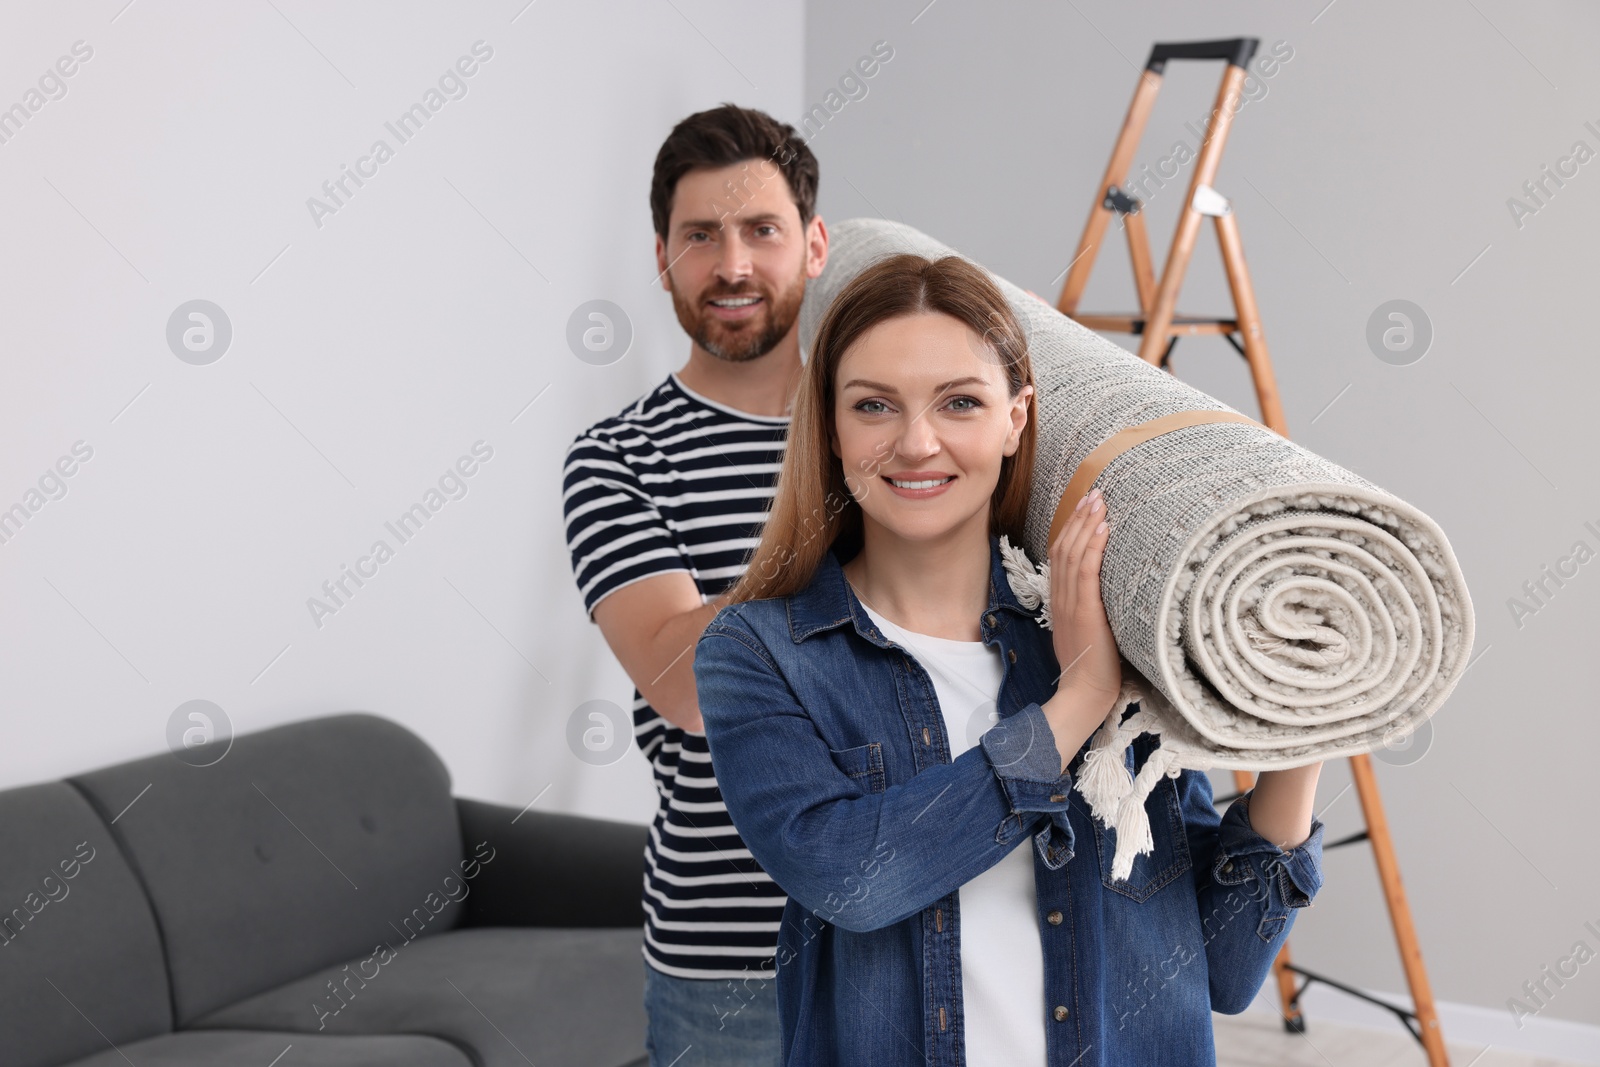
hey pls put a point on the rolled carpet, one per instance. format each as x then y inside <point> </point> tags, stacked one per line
<point>1276,609</point>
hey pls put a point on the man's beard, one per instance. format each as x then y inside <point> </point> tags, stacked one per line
<point>742,341</point>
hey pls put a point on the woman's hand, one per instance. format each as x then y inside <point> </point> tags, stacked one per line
<point>1081,633</point>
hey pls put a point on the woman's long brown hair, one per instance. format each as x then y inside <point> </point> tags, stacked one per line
<point>812,507</point>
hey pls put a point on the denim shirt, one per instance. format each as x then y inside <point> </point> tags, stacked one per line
<point>830,750</point>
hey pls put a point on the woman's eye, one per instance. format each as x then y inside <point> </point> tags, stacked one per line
<point>861,406</point>
<point>965,399</point>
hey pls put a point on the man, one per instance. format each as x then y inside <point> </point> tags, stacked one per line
<point>663,501</point>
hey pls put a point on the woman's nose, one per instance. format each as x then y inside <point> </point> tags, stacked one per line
<point>917,437</point>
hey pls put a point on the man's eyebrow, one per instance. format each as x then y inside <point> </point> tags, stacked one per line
<point>941,387</point>
<point>716,224</point>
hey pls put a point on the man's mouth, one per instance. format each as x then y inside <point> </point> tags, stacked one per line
<point>734,307</point>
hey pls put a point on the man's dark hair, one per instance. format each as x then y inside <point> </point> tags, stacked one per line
<point>723,136</point>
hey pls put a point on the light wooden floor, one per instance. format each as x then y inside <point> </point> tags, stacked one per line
<point>1256,1039</point>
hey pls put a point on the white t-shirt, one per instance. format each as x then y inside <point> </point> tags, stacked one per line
<point>1002,960</point>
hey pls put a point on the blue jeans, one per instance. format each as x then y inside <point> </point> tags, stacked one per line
<point>698,1022</point>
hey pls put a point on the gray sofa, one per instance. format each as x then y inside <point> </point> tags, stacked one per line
<point>315,898</point>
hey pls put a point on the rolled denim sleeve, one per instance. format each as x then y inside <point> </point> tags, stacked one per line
<point>1022,750</point>
<point>1243,854</point>
<point>1249,890</point>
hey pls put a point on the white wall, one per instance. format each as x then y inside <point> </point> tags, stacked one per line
<point>368,354</point>
<point>1377,165</point>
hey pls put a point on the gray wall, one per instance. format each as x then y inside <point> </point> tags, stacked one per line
<point>368,354</point>
<point>1375,164</point>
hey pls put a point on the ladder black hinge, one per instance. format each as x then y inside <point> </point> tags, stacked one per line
<point>1121,202</point>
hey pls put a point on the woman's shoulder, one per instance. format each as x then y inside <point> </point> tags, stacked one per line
<point>753,618</point>
<point>746,631</point>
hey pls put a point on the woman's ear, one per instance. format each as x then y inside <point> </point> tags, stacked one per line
<point>1019,419</point>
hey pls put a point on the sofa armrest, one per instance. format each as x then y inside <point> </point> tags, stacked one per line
<point>551,870</point>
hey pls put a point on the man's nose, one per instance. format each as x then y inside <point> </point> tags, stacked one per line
<point>734,266</point>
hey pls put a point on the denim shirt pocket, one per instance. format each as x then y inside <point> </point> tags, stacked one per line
<point>1155,869</point>
<point>863,763</point>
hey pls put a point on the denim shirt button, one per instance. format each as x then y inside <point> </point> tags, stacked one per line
<point>1054,918</point>
<point>1056,798</point>
<point>1060,1013</point>
<point>1011,654</point>
<point>990,619</point>
<point>1227,868</point>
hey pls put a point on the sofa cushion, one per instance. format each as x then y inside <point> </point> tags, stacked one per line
<point>568,997</point>
<point>78,945</point>
<point>303,845</point>
<point>233,1048</point>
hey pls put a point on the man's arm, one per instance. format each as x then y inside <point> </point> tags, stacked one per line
<point>633,577</point>
<point>652,626</point>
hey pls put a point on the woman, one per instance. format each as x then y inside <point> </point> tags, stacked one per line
<point>889,728</point>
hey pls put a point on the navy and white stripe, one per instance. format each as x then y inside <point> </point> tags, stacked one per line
<point>678,482</point>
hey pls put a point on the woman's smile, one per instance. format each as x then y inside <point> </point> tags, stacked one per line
<point>919,485</point>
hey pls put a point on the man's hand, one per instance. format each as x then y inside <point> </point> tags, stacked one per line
<point>652,627</point>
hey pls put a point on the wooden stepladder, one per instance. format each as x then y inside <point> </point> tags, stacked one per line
<point>1159,326</point>
<point>1157,319</point>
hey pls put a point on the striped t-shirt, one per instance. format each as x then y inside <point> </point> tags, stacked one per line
<point>679,482</point>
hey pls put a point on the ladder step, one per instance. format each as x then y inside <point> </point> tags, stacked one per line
<point>1181,324</point>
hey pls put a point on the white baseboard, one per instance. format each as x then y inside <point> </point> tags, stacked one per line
<point>1577,1043</point>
